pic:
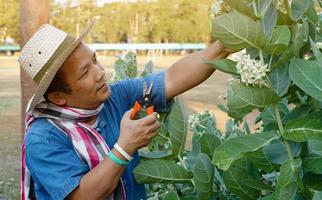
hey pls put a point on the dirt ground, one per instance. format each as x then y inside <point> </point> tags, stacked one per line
<point>203,97</point>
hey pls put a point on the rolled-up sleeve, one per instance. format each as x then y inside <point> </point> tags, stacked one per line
<point>55,166</point>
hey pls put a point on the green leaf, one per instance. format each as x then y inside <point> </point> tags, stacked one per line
<point>307,76</point>
<point>276,151</point>
<point>193,155</point>
<point>286,193</point>
<point>280,39</point>
<point>209,143</point>
<point>313,164</point>
<point>301,37</point>
<point>317,196</point>
<point>257,185</point>
<point>148,68</point>
<point>281,35</point>
<point>283,19</point>
<point>171,196</point>
<point>298,8</point>
<point>288,173</point>
<point>315,146</point>
<point>317,53</point>
<point>235,148</point>
<point>178,128</point>
<point>154,154</point>
<point>284,58</point>
<point>203,176</point>
<point>242,6</point>
<point>237,31</point>
<point>280,80</point>
<point>232,179</point>
<point>241,97</point>
<point>154,171</point>
<point>305,128</point>
<point>269,19</point>
<point>261,160</point>
<point>223,65</point>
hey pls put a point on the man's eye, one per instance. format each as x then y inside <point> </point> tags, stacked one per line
<point>84,74</point>
<point>95,60</point>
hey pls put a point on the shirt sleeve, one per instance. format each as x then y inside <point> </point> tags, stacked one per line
<point>55,166</point>
<point>132,90</point>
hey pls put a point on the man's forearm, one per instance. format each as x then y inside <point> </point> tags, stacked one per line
<point>190,71</point>
<point>100,182</point>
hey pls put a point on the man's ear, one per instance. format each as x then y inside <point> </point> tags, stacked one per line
<point>57,98</point>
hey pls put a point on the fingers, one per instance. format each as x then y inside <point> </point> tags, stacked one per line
<point>150,119</point>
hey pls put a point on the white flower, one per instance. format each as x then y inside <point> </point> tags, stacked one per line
<point>319,45</point>
<point>252,72</point>
<point>219,7</point>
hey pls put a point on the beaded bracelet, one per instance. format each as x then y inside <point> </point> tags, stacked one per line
<point>115,159</point>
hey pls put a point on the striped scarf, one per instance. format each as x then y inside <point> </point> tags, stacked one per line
<point>87,142</point>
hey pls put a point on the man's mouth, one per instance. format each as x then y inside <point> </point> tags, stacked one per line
<point>102,86</point>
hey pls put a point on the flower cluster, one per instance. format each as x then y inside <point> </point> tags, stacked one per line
<point>202,122</point>
<point>319,45</point>
<point>219,7</point>
<point>252,71</point>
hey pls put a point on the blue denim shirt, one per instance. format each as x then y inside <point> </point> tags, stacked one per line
<point>54,165</point>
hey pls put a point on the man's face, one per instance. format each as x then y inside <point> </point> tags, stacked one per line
<point>86,78</point>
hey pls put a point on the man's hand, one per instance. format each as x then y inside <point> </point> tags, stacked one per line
<point>135,134</point>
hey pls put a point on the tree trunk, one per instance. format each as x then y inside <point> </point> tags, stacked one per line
<point>32,15</point>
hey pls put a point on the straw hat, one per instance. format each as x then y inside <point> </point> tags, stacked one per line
<point>44,54</point>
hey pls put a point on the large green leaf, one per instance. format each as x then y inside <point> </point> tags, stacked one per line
<point>313,164</point>
<point>288,173</point>
<point>315,146</point>
<point>203,176</point>
<point>233,180</point>
<point>237,31</point>
<point>305,128</point>
<point>298,8</point>
<point>301,36</point>
<point>235,148</point>
<point>242,6</point>
<point>261,160</point>
<point>280,39</point>
<point>209,143</point>
<point>286,193</point>
<point>276,151</point>
<point>269,19</point>
<point>257,185</point>
<point>153,171</point>
<point>317,196</point>
<point>241,97</point>
<point>317,53</point>
<point>178,127</point>
<point>171,196</point>
<point>307,76</point>
<point>224,65</point>
<point>280,80</point>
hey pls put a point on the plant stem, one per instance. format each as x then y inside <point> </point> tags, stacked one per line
<point>182,162</point>
<point>281,130</point>
<point>270,62</point>
<point>255,8</point>
<point>261,55</point>
<point>288,148</point>
<point>288,8</point>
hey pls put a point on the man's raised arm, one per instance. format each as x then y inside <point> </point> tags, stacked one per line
<point>190,71</point>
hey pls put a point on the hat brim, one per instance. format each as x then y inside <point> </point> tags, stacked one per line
<point>55,66</point>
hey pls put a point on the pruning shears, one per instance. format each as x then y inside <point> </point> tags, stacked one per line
<point>144,104</point>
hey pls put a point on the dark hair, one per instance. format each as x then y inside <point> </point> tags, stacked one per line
<point>58,84</point>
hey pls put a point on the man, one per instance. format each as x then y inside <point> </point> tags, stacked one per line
<point>80,141</point>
